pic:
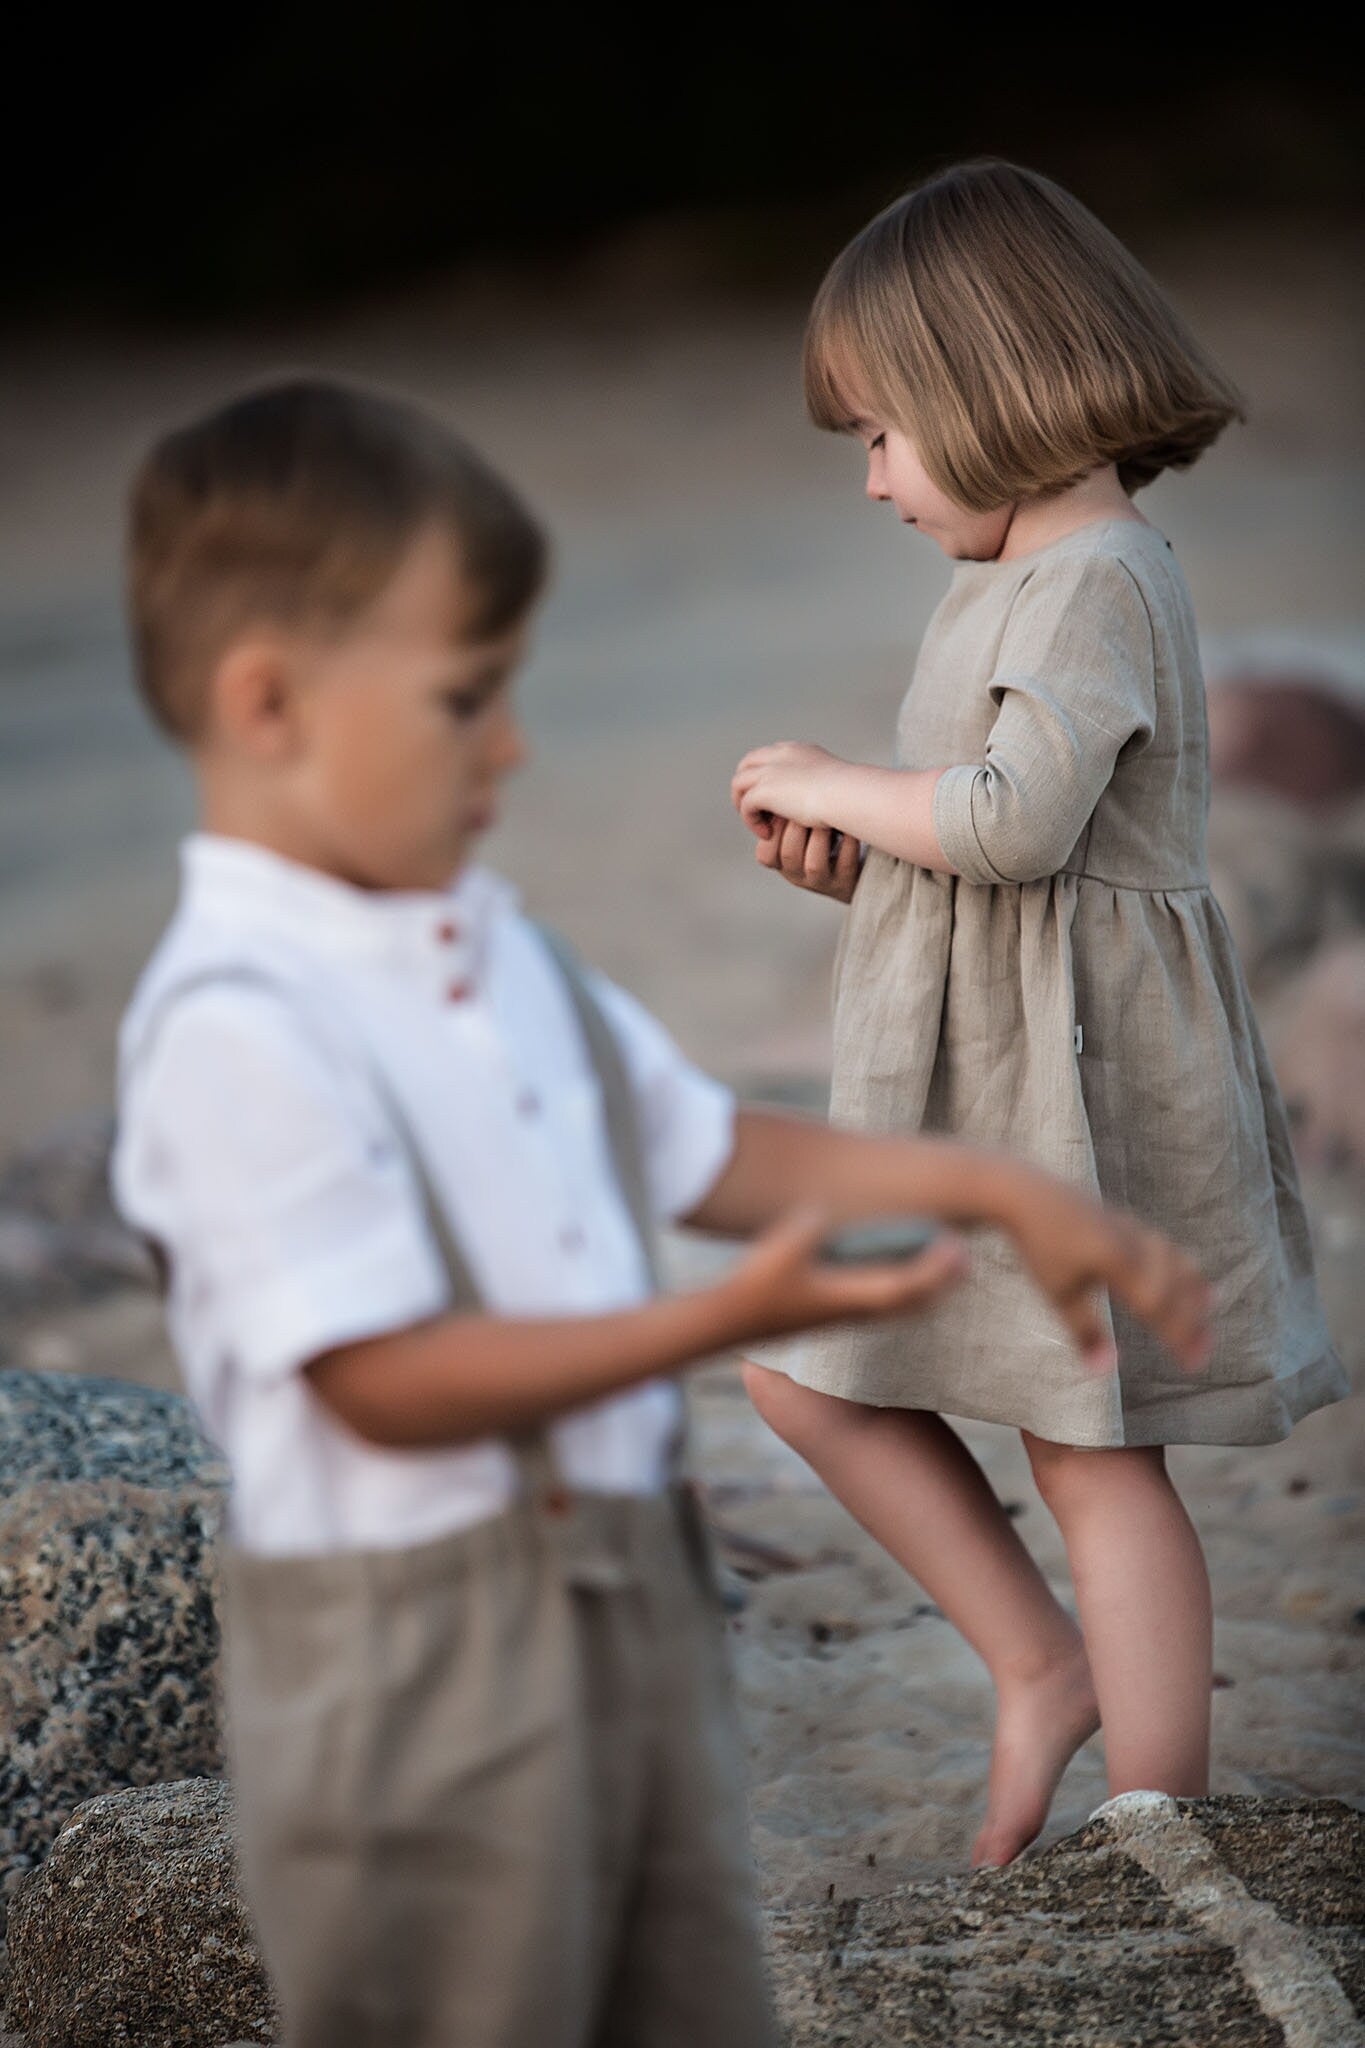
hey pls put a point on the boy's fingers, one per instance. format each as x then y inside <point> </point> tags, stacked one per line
<point>883,1290</point>
<point>1170,1294</point>
<point>1086,1322</point>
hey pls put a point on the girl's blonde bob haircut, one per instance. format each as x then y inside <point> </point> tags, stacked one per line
<point>994,320</point>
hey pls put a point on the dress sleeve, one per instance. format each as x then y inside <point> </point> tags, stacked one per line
<point>687,1119</point>
<point>287,1211</point>
<point>1075,683</point>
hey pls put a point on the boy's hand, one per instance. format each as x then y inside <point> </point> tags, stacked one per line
<point>1074,1248</point>
<point>802,855</point>
<point>781,1285</point>
<point>789,780</point>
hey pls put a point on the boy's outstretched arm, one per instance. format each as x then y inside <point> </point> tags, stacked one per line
<point>459,1378</point>
<point>1072,1245</point>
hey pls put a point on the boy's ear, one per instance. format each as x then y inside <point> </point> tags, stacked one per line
<point>255,697</point>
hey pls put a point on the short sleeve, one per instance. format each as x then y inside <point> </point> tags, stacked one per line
<point>687,1119</point>
<point>289,1215</point>
<point>1075,683</point>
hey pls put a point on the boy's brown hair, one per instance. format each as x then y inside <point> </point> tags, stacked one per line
<point>991,317</point>
<point>293,505</point>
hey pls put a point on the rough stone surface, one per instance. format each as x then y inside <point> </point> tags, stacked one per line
<point>1159,1925</point>
<point>110,1505</point>
<point>134,1932</point>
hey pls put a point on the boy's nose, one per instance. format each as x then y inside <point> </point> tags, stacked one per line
<point>510,748</point>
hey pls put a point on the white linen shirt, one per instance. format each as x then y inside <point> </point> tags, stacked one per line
<point>255,1148</point>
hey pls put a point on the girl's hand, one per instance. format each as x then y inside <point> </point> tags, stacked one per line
<point>781,1285</point>
<point>788,780</point>
<point>1075,1248</point>
<point>802,856</point>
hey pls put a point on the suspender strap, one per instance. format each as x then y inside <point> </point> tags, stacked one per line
<point>533,1450</point>
<point>623,1125</point>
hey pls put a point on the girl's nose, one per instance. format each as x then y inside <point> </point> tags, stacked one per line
<point>876,478</point>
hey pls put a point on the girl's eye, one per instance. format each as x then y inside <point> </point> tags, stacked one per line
<point>878,442</point>
<point>465,704</point>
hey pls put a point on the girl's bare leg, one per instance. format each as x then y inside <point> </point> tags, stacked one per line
<point>915,1487</point>
<point>1142,1589</point>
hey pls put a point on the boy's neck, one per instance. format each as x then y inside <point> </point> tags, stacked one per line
<point>228,813</point>
<point>1039,521</point>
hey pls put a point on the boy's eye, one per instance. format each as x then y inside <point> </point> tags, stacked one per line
<point>465,703</point>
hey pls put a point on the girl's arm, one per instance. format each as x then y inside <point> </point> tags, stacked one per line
<point>1072,1245</point>
<point>890,808</point>
<point>1075,684</point>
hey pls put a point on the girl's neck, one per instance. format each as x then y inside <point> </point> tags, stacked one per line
<point>1036,522</point>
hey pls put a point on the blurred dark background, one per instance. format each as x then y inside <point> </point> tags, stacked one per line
<point>257,160</point>
<point>591,241</point>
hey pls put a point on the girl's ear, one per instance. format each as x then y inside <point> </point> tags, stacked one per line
<point>254,698</point>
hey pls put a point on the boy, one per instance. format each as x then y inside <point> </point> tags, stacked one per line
<point>403,1158</point>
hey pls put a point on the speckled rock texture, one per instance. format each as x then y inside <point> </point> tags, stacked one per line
<point>110,1505</point>
<point>133,1932</point>
<point>1216,1923</point>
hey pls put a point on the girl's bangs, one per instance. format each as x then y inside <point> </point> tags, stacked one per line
<point>832,365</point>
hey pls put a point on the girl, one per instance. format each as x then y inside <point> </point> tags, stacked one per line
<point>1032,956</point>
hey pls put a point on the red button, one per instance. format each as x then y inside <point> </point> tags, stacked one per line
<point>458,991</point>
<point>557,1501</point>
<point>447,933</point>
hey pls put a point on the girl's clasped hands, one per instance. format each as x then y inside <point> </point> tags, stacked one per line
<point>782,793</point>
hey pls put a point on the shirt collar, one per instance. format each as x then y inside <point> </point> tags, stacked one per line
<point>439,935</point>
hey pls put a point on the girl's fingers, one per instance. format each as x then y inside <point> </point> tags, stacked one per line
<point>794,839</point>
<point>768,849</point>
<point>815,862</point>
<point>846,861</point>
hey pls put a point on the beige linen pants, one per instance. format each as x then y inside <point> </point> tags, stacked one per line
<point>490,1790</point>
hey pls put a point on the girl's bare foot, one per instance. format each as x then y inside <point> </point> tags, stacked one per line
<point>1040,1724</point>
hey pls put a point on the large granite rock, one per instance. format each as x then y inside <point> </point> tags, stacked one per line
<point>1215,1923</point>
<point>133,1932</point>
<point>110,1505</point>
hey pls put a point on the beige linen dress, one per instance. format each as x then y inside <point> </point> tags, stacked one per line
<point>1073,994</point>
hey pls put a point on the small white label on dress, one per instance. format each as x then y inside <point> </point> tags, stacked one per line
<point>1078,1038</point>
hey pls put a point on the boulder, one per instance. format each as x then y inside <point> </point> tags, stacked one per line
<point>1297,732</point>
<point>134,1932</point>
<point>1161,1924</point>
<point>110,1507</point>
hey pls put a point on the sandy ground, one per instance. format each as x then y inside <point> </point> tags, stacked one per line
<point>720,583</point>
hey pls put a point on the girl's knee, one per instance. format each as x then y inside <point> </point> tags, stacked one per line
<point>1065,1473</point>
